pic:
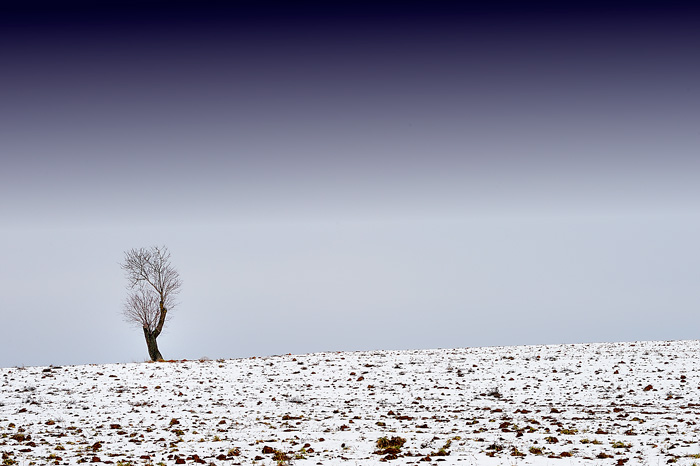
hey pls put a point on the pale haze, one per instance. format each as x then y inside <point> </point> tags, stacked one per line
<point>342,181</point>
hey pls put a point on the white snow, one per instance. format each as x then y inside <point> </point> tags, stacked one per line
<point>480,405</point>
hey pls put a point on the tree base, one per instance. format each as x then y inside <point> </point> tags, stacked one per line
<point>152,345</point>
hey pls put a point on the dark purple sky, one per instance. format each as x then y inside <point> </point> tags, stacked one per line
<point>327,165</point>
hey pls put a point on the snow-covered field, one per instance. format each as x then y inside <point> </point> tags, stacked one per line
<point>611,403</point>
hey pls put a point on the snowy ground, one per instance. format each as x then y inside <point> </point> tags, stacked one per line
<point>607,404</point>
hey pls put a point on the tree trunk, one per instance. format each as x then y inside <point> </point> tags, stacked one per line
<point>152,344</point>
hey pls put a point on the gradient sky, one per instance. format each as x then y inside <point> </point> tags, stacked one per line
<point>349,175</point>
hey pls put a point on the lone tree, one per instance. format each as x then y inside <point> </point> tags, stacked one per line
<point>153,284</point>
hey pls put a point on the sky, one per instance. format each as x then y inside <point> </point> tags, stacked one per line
<point>339,176</point>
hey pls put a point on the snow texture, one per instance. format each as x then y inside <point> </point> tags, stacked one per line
<point>607,403</point>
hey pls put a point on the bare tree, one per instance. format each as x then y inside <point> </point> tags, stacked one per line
<point>153,284</point>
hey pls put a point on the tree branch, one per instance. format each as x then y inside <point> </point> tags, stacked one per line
<point>154,283</point>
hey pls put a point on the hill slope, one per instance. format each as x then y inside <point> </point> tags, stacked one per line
<point>619,403</point>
